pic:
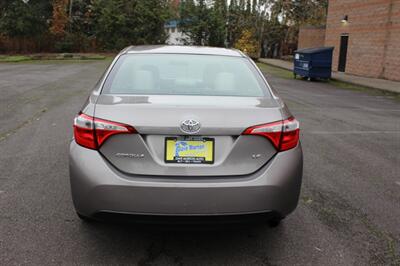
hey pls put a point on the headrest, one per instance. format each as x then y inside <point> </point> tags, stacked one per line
<point>224,81</point>
<point>144,80</point>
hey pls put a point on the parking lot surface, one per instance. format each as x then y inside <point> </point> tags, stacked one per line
<point>348,214</point>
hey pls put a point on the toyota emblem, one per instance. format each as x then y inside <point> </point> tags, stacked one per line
<point>190,126</point>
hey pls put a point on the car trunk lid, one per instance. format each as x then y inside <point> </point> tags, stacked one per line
<point>222,119</point>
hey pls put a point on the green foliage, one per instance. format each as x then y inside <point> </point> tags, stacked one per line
<point>114,24</point>
<point>196,21</point>
<point>82,18</point>
<point>215,23</point>
<point>120,23</point>
<point>297,12</point>
<point>19,19</point>
<point>248,44</point>
<point>218,20</point>
<point>287,16</point>
<point>65,45</point>
<point>272,23</point>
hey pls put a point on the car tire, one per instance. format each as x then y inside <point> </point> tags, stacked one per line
<point>85,218</point>
<point>275,222</point>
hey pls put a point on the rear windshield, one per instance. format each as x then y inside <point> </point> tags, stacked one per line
<point>183,74</point>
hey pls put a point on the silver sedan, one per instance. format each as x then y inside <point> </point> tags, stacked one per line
<point>189,132</point>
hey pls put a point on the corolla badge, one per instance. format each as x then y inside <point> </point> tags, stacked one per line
<point>130,155</point>
<point>190,126</point>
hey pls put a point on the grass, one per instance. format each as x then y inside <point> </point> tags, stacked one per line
<point>52,57</point>
<point>371,91</point>
<point>275,71</point>
<point>14,58</point>
<point>94,57</point>
<point>286,74</point>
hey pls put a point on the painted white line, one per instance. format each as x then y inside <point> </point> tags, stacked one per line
<point>397,183</point>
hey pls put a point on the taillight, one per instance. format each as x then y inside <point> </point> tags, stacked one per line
<point>84,131</point>
<point>91,132</point>
<point>290,134</point>
<point>284,135</point>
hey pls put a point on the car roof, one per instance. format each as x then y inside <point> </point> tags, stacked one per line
<point>181,49</point>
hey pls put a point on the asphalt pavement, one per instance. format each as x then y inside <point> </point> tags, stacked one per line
<point>349,212</point>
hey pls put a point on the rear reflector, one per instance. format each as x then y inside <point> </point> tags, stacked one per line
<point>284,135</point>
<point>91,132</point>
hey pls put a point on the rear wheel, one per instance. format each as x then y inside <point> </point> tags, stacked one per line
<point>85,218</point>
<point>274,222</point>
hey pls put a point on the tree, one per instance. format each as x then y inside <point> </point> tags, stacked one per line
<point>218,24</point>
<point>120,23</point>
<point>288,16</point>
<point>195,21</point>
<point>81,35</point>
<point>60,18</point>
<point>250,15</point>
<point>20,19</point>
<point>248,44</point>
<point>117,23</point>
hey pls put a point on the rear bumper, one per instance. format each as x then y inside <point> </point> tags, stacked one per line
<point>97,187</point>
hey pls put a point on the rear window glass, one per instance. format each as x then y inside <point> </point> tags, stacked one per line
<point>183,74</point>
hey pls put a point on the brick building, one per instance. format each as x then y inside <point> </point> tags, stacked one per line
<point>366,37</point>
<point>311,36</point>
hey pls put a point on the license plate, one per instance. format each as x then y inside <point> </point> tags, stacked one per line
<point>192,150</point>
